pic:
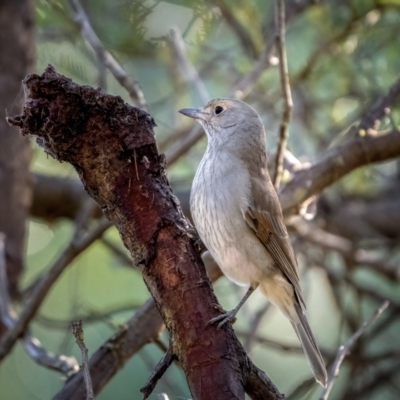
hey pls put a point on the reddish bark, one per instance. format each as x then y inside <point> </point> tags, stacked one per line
<point>112,147</point>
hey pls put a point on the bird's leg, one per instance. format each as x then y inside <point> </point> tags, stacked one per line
<point>230,316</point>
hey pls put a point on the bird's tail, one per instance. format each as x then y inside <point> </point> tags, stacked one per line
<point>310,347</point>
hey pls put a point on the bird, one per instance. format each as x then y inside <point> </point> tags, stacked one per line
<point>238,216</point>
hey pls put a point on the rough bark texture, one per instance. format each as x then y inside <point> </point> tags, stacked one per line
<point>16,60</point>
<point>113,149</point>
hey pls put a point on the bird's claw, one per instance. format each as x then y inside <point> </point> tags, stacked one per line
<point>229,316</point>
<point>219,308</point>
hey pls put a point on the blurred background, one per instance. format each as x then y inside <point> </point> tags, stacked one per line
<point>342,56</point>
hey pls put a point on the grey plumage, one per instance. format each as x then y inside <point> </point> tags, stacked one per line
<point>238,216</point>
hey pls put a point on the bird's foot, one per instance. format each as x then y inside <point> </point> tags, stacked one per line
<point>229,316</point>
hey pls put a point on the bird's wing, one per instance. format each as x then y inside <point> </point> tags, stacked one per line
<point>264,216</point>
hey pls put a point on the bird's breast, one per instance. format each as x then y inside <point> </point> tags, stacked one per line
<point>219,197</point>
<point>220,194</point>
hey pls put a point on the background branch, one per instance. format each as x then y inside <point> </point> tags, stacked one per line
<point>77,331</point>
<point>124,79</point>
<point>343,350</point>
<point>286,92</point>
<point>76,246</point>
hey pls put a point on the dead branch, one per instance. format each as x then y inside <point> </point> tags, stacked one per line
<point>137,198</point>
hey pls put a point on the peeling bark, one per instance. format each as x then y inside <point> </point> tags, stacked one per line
<point>112,147</point>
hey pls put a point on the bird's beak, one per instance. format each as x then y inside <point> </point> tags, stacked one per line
<point>196,113</point>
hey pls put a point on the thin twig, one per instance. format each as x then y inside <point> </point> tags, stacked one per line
<point>158,372</point>
<point>77,331</point>
<point>242,32</point>
<point>343,350</point>
<point>56,362</point>
<point>185,66</point>
<point>91,316</point>
<point>60,363</point>
<point>124,79</point>
<point>77,245</point>
<point>286,92</point>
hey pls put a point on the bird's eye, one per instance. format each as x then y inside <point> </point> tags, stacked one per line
<point>218,110</point>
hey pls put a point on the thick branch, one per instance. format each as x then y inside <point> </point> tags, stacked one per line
<point>112,147</point>
<point>337,163</point>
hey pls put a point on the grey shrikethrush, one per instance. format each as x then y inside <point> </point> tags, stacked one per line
<point>238,216</point>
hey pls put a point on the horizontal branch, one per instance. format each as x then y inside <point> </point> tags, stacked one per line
<point>337,163</point>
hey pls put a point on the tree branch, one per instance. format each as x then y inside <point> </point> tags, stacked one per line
<point>43,286</point>
<point>157,374</point>
<point>286,92</point>
<point>380,108</point>
<point>104,359</point>
<point>125,174</point>
<point>186,67</point>
<point>337,163</point>
<point>343,350</point>
<point>60,363</point>
<point>124,79</point>
<point>77,331</point>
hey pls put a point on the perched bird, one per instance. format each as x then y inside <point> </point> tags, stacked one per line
<point>238,216</point>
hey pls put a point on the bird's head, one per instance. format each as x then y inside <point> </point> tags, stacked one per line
<point>227,119</point>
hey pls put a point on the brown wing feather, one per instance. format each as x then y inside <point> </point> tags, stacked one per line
<point>264,216</point>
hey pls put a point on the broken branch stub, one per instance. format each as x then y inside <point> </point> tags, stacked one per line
<point>113,149</point>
